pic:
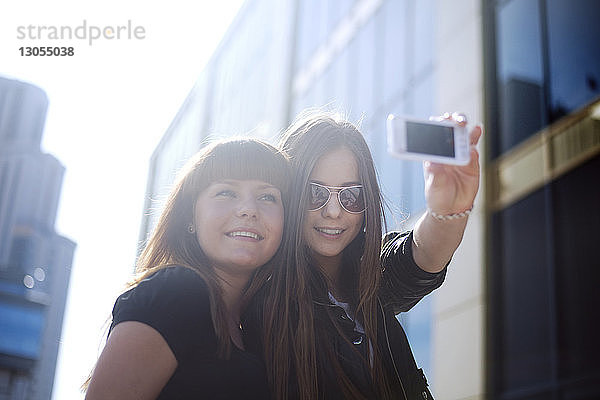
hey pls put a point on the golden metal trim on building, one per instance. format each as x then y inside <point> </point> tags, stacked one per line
<point>544,157</point>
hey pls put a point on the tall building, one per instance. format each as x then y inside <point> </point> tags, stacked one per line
<point>511,321</point>
<point>543,114</point>
<point>35,262</point>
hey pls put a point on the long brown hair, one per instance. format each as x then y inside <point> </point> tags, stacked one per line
<point>298,285</point>
<point>172,244</point>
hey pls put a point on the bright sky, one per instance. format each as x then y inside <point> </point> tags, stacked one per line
<point>110,104</point>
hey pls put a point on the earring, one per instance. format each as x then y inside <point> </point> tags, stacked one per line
<point>191,228</point>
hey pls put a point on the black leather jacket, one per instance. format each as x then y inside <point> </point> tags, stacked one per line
<point>403,285</point>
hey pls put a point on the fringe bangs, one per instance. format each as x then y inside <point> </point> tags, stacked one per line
<point>247,160</point>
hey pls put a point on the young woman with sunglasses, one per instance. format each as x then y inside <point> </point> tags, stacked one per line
<point>326,320</point>
<point>175,333</point>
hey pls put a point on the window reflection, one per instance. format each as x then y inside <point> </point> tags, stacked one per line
<point>520,72</point>
<point>21,326</point>
<point>574,54</point>
<point>548,64</point>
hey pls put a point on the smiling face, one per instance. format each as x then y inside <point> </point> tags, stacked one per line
<point>239,224</point>
<point>330,229</point>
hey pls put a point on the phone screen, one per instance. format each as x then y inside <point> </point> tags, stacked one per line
<point>429,139</point>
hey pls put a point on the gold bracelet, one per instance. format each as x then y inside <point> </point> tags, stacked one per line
<point>448,217</point>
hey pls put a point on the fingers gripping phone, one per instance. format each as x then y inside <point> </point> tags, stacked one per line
<point>443,142</point>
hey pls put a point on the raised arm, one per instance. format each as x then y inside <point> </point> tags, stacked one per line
<point>449,191</point>
<point>136,363</point>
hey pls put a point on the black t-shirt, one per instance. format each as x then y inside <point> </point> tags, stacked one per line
<point>174,301</point>
<point>403,285</point>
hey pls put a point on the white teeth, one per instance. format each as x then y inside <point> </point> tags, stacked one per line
<point>329,231</point>
<point>244,234</point>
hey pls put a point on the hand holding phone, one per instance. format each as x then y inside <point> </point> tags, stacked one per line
<point>442,141</point>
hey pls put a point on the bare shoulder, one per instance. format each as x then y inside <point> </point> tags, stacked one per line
<point>136,363</point>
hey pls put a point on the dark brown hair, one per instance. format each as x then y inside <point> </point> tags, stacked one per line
<point>291,336</point>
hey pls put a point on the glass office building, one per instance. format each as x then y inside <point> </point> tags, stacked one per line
<point>35,262</point>
<point>528,70</point>
<point>543,110</point>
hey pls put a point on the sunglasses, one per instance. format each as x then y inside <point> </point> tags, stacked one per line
<point>351,198</point>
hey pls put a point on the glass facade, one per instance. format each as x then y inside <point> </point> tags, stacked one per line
<point>548,64</point>
<point>21,327</point>
<point>242,91</point>
<point>543,263</point>
<point>544,272</point>
<point>520,73</point>
<point>250,73</point>
<point>573,54</point>
<point>175,149</point>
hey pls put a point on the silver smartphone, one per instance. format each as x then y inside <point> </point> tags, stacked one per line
<point>443,142</point>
